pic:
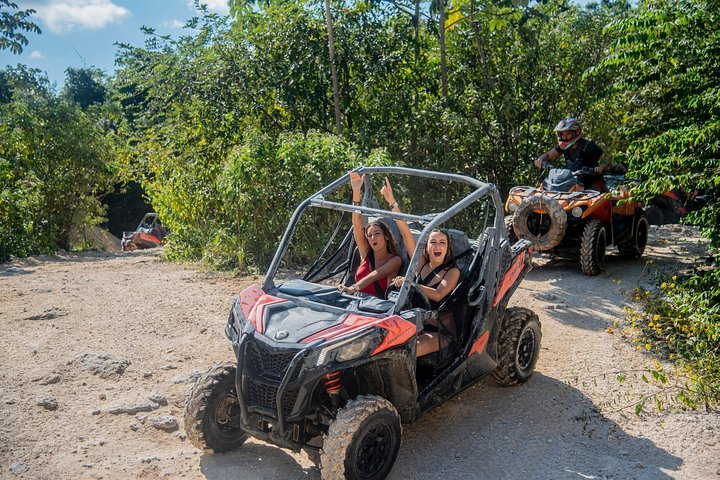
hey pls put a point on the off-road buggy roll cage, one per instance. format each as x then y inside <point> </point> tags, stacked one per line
<point>428,220</point>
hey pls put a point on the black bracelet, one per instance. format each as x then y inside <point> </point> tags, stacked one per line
<point>394,204</point>
<point>356,203</point>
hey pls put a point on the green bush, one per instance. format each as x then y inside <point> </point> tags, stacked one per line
<point>681,321</point>
<point>257,188</point>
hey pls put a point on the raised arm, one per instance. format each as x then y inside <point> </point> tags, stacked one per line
<point>356,181</point>
<point>407,235</point>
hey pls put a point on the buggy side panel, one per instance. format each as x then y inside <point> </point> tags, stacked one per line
<point>520,266</point>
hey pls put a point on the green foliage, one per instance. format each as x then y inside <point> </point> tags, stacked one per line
<point>681,322</point>
<point>54,161</point>
<point>85,86</point>
<point>11,25</point>
<point>667,80</point>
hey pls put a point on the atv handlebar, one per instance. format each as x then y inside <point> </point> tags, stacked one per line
<point>582,171</point>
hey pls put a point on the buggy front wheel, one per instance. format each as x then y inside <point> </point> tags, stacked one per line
<point>212,412</point>
<point>362,442</point>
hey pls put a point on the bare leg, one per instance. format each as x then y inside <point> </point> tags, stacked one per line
<point>427,342</point>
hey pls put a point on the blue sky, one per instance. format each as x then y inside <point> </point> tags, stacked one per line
<point>77,33</point>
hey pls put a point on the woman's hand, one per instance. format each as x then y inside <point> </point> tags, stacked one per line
<point>352,289</point>
<point>387,192</point>
<point>398,281</point>
<point>356,181</point>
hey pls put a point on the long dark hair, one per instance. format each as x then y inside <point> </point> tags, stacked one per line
<point>392,247</point>
<point>449,260</point>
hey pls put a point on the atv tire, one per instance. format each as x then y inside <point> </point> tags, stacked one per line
<point>635,247</point>
<point>362,442</point>
<point>212,413</point>
<point>525,215</point>
<point>592,247</point>
<point>518,346</point>
<point>655,215</point>
<point>512,238</point>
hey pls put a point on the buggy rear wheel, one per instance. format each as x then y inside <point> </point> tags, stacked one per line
<point>635,247</point>
<point>212,413</point>
<point>518,346</point>
<point>362,442</point>
<point>545,229</point>
<point>512,238</point>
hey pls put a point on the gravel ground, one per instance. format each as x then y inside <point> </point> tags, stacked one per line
<point>99,350</point>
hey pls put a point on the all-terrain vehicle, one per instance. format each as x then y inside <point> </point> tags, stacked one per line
<point>336,374</point>
<point>149,233</point>
<point>570,221</point>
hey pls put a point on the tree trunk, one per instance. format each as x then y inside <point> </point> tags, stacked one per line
<point>443,80</point>
<point>333,71</point>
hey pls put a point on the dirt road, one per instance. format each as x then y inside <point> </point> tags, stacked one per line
<point>98,351</point>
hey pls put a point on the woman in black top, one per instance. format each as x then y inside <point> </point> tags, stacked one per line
<point>437,276</point>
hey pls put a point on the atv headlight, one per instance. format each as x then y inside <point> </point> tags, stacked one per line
<point>350,348</point>
<point>512,206</point>
<point>577,212</point>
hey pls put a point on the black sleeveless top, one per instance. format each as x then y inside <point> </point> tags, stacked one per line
<point>434,305</point>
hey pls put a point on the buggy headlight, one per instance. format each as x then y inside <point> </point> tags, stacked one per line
<point>351,348</point>
<point>236,321</point>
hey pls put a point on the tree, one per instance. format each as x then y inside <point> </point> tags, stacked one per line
<point>11,25</point>
<point>666,83</point>
<point>55,161</point>
<point>85,86</point>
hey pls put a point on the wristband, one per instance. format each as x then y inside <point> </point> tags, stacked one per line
<point>356,203</point>
<point>393,205</point>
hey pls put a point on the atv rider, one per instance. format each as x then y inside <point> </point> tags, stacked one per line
<point>579,152</point>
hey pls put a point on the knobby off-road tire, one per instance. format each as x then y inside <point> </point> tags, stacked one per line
<point>655,215</point>
<point>592,247</point>
<point>362,442</point>
<point>557,217</point>
<point>212,413</point>
<point>510,229</point>
<point>636,246</point>
<point>518,346</point>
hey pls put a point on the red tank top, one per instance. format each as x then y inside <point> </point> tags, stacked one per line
<point>363,271</point>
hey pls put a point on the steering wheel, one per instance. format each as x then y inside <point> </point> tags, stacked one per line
<point>416,292</point>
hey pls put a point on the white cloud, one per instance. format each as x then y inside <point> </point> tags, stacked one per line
<point>37,54</point>
<point>173,24</point>
<point>62,16</point>
<point>216,6</point>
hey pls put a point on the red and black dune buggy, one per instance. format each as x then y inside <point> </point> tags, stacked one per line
<point>149,234</point>
<point>336,374</point>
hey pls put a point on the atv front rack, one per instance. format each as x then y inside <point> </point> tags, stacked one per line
<point>526,192</point>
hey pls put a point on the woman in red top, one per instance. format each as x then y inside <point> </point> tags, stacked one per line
<point>379,256</point>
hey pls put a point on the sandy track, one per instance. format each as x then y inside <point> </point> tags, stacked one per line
<point>167,321</point>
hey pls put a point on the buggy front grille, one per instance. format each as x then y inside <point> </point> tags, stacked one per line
<point>266,363</point>
<point>261,395</point>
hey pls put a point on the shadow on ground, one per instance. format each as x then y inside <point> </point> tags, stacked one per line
<point>542,430</point>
